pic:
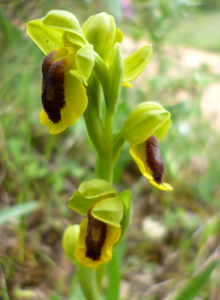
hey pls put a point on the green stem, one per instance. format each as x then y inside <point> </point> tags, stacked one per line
<point>100,272</point>
<point>107,160</point>
<point>88,282</point>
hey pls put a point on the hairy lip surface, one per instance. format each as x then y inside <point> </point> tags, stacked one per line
<point>53,94</point>
<point>154,159</point>
<point>95,238</point>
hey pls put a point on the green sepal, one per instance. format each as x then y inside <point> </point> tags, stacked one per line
<point>96,188</point>
<point>69,241</point>
<point>89,192</point>
<point>81,204</point>
<point>65,21</point>
<point>144,120</point>
<point>136,62</point>
<point>118,142</point>
<point>127,203</point>
<point>109,211</point>
<point>162,131</point>
<point>116,71</point>
<point>46,38</point>
<point>85,61</point>
<point>99,31</point>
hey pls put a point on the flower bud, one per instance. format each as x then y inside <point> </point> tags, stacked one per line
<point>99,31</point>
<point>144,120</point>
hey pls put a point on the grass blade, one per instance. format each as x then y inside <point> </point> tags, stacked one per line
<point>18,210</point>
<point>6,296</point>
<point>54,296</point>
<point>196,283</point>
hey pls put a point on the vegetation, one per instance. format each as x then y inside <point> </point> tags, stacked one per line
<point>39,172</point>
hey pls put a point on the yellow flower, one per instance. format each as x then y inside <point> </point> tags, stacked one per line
<point>67,66</point>
<point>149,160</point>
<point>95,242</point>
<point>63,97</point>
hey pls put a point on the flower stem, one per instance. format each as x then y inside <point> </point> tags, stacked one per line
<point>100,272</point>
<point>88,282</point>
<point>107,160</point>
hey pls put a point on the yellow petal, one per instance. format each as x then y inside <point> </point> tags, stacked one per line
<point>54,128</point>
<point>112,236</point>
<point>76,100</point>
<point>127,84</point>
<point>139,156</point>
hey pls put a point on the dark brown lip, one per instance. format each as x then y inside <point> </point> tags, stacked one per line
<point>53,94</point>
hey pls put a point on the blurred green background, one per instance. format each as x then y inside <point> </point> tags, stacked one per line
<point>172,235</point>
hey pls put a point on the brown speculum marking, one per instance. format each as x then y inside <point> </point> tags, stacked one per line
<point>52,97</point>
<point>95,238</point>
<point>154,159</point>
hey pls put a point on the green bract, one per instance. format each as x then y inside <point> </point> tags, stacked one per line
<point>144,120</point>
<point>116,71</point>
<point>85,61</point>
<point>89,192</point>
<point>136,62</point>
<point>127,203</point>
<point>99,31</point>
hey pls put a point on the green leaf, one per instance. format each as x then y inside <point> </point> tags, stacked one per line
<point>47,39</point>
<point>85,61</point>
<point>18,210</point>
<point>136,63</point>
<point>109,211</point>
<point>196,283</point>
<point>116,71</point>
<point>127,203</point>
<point>69,241</point>
<point>113,270</point>
<point>99,31</point>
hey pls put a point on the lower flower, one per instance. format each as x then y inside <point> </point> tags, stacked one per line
<point>149,160</point>
<point>95,242</point>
